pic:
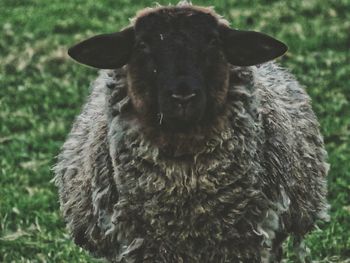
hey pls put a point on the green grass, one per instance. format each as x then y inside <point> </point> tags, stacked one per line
<point>41,91</point>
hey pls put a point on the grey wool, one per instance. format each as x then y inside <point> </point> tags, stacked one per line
<point>231,191</point>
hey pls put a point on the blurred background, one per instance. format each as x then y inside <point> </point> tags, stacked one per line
<point>42,90</point>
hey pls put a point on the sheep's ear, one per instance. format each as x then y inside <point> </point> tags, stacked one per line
<point>247,48</point>
<point>107,51</point>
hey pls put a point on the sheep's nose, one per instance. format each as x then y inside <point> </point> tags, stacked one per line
<point>182,99</point>
<point>185,91</point>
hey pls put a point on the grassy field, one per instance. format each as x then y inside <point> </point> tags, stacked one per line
<point>41,90</point>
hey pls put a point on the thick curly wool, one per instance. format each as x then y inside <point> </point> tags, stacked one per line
<point>229,193</point>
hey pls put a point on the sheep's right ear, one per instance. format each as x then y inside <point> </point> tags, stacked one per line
<point>107,51</point>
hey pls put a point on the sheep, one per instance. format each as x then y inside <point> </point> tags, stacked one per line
<point>192,147</point>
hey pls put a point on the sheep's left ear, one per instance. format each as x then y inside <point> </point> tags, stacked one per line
<point>107,51</point>
<point>248,48</point>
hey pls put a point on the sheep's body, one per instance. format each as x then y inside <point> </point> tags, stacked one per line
<point>230,193</point>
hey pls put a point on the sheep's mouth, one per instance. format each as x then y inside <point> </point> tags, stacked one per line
<point>182,118</point>
<point>183,113</point>
<point>176,124</point>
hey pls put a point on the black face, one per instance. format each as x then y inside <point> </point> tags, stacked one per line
<point>178,63</point>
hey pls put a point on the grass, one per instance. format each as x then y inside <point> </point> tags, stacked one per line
<point>41,91</point>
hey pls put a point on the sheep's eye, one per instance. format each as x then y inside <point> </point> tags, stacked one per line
<point>213,41</point>
<point>142,46</point>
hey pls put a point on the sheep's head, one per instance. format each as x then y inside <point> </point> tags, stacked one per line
<point>178,61</point>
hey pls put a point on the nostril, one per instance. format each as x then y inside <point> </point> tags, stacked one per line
<point>183,98</point>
